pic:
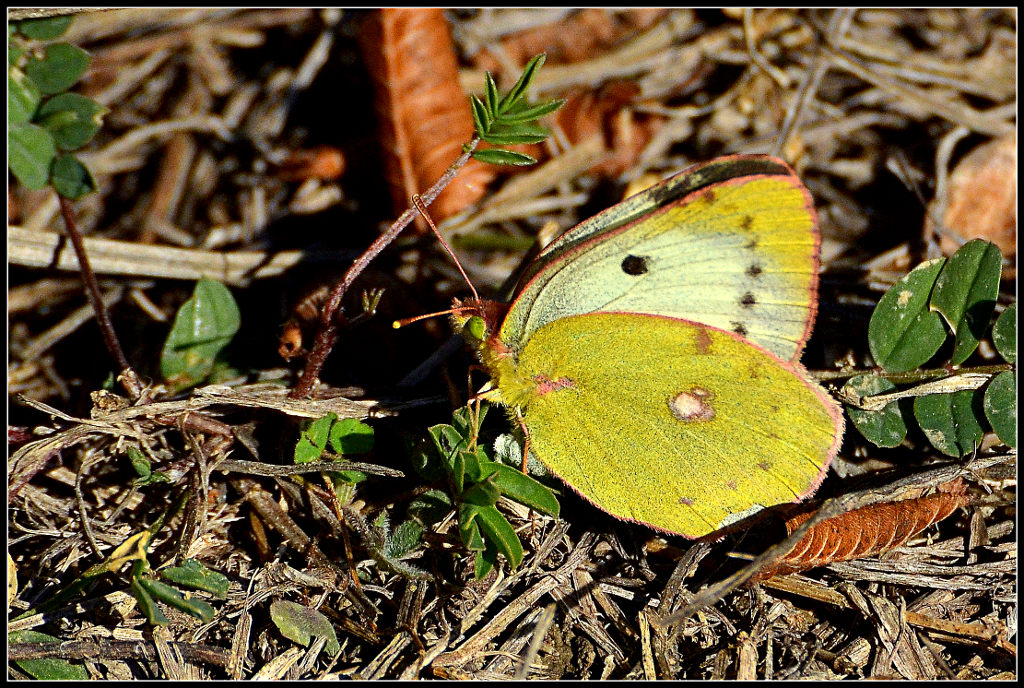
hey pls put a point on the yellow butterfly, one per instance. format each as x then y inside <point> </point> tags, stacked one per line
<point>650,352</point>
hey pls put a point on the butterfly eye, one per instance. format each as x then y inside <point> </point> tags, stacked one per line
<point>475,328</point>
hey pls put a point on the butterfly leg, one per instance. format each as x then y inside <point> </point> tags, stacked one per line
<point>526,437</point>
<point>526,453</point>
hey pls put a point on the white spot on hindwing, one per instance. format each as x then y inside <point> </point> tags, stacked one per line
<point>692,406</point>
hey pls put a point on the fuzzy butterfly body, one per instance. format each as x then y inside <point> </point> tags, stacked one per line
<point>651,350</point>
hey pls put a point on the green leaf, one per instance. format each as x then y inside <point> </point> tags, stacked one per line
<point>490,94</point>
<point>482,494</point>
<point>526,112</point>
<point>313,439</point>
<point>45,29</point>
<point>30,154</point>
<point>498,156</point>
<point>301,624</point>
<point>173,597</point>
<point>147,605</point>
<point>143,468</point>
<point>140,462</point>
<point>511,134</point>
<point>519,89</point>
<point>510,119</point>
<point>950,421</point>
<point>458,473</point>
<point>500,532</point>
<point>22,97</point>
<point>1001,407</point>
<point>1004,334</point>
<point>53,669</point>
<point>403,540</point>
<point>61,66</point>
<point>474,462</point>
<point>71,178</point>
<point>72,119</point>
<point>469,529</point>
<point>485,561</point>
<point>448,442</point>
<point>885,427</point>
<point>203,326</point>
<point>427,461</point>
<point>481,118</point>
<point>467,422</point>
<point>349,477</point>
<point>14,53</point>
<point>193,574</point>
<point>351,436</point>
<point>430,507</point>
<point>319,430</point>
<point>46,669</point>
<point>965,294</point>
<point>903,332</point>
<point>525,490</point>
<point>306,451</point>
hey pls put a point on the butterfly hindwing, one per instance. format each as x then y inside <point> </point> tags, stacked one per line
<point>672,423</point>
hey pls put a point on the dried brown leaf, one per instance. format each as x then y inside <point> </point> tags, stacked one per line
<point>982,197</point>
<point>866,532</point>
<point>579,36</point>
<point>302,323</point>
<point>425,116</point>
<point>605,112</point>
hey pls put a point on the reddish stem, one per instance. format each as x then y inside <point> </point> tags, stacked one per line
<point>327,333</point>
<point>128,377</point>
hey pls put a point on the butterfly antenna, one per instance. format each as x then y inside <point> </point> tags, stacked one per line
<point>416,318</point>
<point>418,202</point>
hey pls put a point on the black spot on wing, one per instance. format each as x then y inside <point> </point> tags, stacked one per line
<point>754,270</point>
<point>748,300</point>
<point>739,328</point>
<point>635,265</point>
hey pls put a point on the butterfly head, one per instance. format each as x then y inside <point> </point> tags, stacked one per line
<point>474,329</point>
<point>479,321</point>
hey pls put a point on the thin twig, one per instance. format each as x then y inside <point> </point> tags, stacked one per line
<point>838,25</point>
<point>327,334</point>
<point>128,377</point>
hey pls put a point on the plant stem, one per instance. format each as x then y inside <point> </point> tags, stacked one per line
<point>327,334</point>
<point>911,376</point>
<point>128,376</point>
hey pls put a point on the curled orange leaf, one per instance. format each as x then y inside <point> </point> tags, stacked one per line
<point>866,532</point>
<point>425,115</point>
<point>606,112</point>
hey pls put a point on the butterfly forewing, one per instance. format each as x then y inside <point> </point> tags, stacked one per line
<point>738,253</point>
